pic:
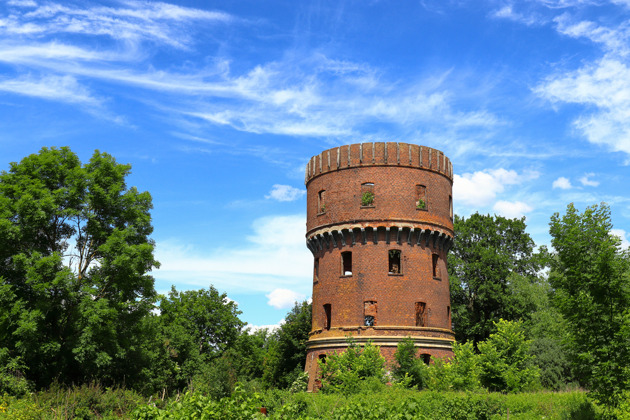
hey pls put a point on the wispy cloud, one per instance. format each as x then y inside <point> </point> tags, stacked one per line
<point>587,182</point>
<point>604,85</point>
<point>136,21</point>
<point>60,88</point>
<point>285,193</point>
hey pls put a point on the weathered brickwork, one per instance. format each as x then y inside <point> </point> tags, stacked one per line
<point>379,225</point>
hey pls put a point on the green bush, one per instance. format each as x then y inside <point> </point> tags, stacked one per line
<point>12,380</point>
<point>506,364</point>
<point>346,372</point>
<point>409,371</point>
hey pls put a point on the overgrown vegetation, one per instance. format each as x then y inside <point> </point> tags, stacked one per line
<point>83,334</point>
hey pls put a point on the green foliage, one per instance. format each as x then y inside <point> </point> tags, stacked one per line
<point>90,401</point>
<point>367,198</point>
<point>74,257</point>
<point>506,364</point>
<point>421,204</point>
<point>591,277</point>
<point>286,356</point>
<point>409,369</point>
<point>12,380</point>
<point>488,252</point>
<point>196,328</point>
<point>355,368</point>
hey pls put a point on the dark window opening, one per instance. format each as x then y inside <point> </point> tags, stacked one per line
<point>321,201</point>
<point>426,358</point>
<point>436,266</point>
<point>369,313</point>
<point>421,317</point>
<point>448,315</point>
<point>367,194</point>
<point>322,358</point>
<point>327,313</point>
<point>421,197</point>
<point>346,263</point>
<point>394,262</point>
<point>316,269</point>
<point>450,206</point>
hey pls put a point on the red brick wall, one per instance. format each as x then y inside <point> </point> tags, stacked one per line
<point>395,169</point>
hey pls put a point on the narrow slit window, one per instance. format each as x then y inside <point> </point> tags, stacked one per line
<point>367,194</point>
<point>426,358</point>
<point>421,317</point>
<point>394,262</point>
<point>321,201</point>
<point>448,315</point>
<point>369,313</point>
<point>346,263</point>
<point>436,266</point>
<point>327,316</point>
<point>316,269</point>
<point>450,206</point>
<point>421,197</point>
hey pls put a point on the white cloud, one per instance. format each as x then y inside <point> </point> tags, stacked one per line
<point>512,209</point>
<point>604,85</point>
<point>270,327</point>
<point>158,22</point>
<point>60,88</point>
<point>613,40</point>
<point>562,183</point>
<point>588,182</point>
<point>283,298</point>
<point>480,188</point>
<point>508,12</point>
<point>285,193</point>
<point>273,257</point>
<point>621,234</point>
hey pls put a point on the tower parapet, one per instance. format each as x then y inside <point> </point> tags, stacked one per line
<point>379,225</point>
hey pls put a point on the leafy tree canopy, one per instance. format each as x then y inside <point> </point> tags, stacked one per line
<point>490,253</point>
<point>74,256</point>
<point>591,280</point>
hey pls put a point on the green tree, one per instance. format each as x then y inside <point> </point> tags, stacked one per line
<point>506,363</point>
<point>591,278</point>
<point>74,256</point>
<point>286,357</point>
<point>488,254</point>
<point>197,327</point>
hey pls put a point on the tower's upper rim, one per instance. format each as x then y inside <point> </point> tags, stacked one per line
<point>379,154</point>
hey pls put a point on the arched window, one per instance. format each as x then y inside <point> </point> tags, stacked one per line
<point>321,201</point>
<point>367,194</point>
<point>346,263</point>
<point>421,197</point>
<point>327,316</point>
<point>395,266</point>
<point>421,314</point>
<point>369,313</point>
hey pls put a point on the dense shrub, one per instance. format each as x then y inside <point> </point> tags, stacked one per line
<point>353,369</point>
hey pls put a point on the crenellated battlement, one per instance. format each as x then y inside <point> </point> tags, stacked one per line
<point>379,154</point>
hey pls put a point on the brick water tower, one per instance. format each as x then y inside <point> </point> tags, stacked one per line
<point>379,225</point>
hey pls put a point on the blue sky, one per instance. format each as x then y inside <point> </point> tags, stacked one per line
<point>218,105</point>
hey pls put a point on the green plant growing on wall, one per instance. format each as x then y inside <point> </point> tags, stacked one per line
<point>421,204</point>
<point>367,199</point>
